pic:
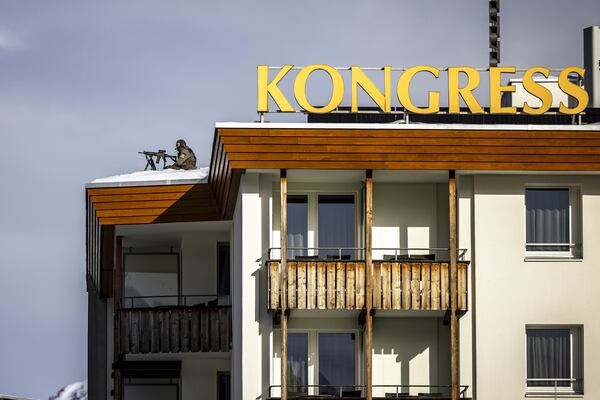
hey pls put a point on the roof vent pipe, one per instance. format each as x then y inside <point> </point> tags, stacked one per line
<point>591,63</point>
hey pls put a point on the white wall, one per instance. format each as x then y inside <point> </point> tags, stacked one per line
<point>406,215</point>
<point>251,322</point>
<point>512,292</point>
<point>410,351</point>
<point>199,377</point>
<point>199,261</point>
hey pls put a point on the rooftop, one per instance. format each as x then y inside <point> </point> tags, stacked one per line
<point>150,178</point>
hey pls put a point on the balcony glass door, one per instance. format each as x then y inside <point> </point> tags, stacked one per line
<point>337,363</point>
<point>297,226</point>
<point>298,363</point>
<point>337,226</point>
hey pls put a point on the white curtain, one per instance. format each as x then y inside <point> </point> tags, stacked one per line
<point>548,355</point>
<point>297,225</point>
<point>547,218</point>
<point>297,362</point>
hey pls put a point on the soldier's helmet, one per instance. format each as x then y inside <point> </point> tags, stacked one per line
<point>180,143</point>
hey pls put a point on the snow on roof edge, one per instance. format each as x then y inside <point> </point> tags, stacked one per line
<point>151,178</point>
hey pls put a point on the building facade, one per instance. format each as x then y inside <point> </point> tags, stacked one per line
<point>422,261</point>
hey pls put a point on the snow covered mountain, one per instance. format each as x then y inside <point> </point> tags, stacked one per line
<point>74,391</point>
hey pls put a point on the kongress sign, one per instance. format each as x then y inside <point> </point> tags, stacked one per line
<point>455,90</point>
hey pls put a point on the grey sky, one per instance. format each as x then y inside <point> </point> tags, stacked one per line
<point>85,85</point>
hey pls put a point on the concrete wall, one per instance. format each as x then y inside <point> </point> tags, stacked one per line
<point>199,377</point>
<point>513,292</point>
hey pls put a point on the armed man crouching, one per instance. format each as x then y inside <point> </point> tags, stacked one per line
<point>186,159</point>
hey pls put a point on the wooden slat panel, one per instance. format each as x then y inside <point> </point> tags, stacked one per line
<point>356,134</point>
<point>321,285</point>
<point>146,189</point>
<point>155,335</point>
<point>301,285</point>
<point>360,285</point>
<point>445,286</point>
<point>274,278</point>
<point>350,286</point>
<point>174,336</point>
<point>435,286</point>
<point>415,286</point>
<point>184,330</point>
<point>205,330</point>
<point>340,295</point>
<point>194,330</point>
<point>165,336</point>
<point>312,286</point>
<point>426,285</point>
<point>376,285</point>
<point>331,285</point>
<point>406,304</point>
<point>161,219</point>
<point>145,331</point>
<point>291,287</point>
<point>396,286</point>
<point>417,165</point>
<point>135,332</point>
<point>462,286</point>
<point>214,330</point>
<point>224,328</point>
<point>125,331</point>
<point>385,285</point>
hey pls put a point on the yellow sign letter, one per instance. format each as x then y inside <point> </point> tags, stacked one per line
<point>496,90</point>
<point>265,89</point>
<point>404,91</point>
<point>455,92</point>
<point>572,89</point>
<point>383,100</point>
<point>337,89</point>
<point>537,90</point>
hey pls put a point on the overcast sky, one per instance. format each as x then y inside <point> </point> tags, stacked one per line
<point>85,85</point>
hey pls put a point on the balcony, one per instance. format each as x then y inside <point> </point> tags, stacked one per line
<point>173,328</point>
<point>406,392</point>
<point>399,283</point>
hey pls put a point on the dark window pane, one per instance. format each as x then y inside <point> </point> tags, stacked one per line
<point>297,225</point>
<point>297,362</point>
<point>337,363</point>
<point>223,386</point>
<point>548,356</point>
<point>337,226</point>
<point>224,282</point>
<point>547,218</point>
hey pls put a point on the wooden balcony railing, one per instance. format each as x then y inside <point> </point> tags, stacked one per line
<point>174,329</point>
<point>397,285</point>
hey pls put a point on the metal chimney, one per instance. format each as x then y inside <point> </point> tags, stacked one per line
<point>591,63</point>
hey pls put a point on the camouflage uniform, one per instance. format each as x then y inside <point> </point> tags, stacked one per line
<point>186,159</point>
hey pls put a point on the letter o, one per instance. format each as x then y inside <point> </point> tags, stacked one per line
<point>337,90</point>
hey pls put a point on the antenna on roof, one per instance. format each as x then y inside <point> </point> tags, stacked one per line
<point>494,32</point>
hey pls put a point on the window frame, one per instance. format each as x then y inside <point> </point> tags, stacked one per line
<point>575,233</point>
<point>313,355</point>
<point>575,388</point>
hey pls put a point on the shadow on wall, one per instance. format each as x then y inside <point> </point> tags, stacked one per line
<point>411,351</point>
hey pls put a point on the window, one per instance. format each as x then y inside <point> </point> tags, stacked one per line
<point>298,362</point>
<point>553,359</point>
<point>337,363</point>
<point>223,273</point>
<point>551,222</point>
<point>223,385</point>
<point>297,225</point>
<point>319,363</point>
